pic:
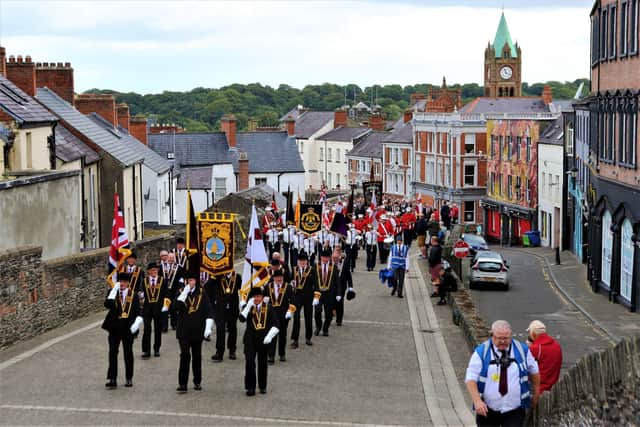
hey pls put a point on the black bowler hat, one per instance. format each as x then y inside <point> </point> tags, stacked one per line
<point>277,273</point>
<point>351,294</point>
<point>124,277</point>
<point>133,255</point>
<point>191,275</point>
<point>152,265</point>
<point>180,240</point>
<point>275,262</point>
<point>257,290</point>
<point>303,256</point>
<point>325,253</point>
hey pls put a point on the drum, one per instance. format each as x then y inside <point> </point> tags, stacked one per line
<point>388,241</point>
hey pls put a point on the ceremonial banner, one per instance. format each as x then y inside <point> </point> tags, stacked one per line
<point>310,218</point>
<point>369,189</point>
<point>215,231</point>
<point>192,242</point>
<point>120,248</point>
<point>255,272</point>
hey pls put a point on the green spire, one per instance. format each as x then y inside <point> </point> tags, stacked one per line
<point>502,37</point>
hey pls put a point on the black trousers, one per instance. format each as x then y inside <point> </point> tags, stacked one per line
<point>352,255</point>
<point>513,418</point>
<point>398,280</point>
<point>408,237</point>
<point>285,250</point>
<point>127,350</point>
<point>190,353</point>
<point>339,306</point>
<point>280,340</point>
<point>371,256</point>
<point>384,253</point>
<point>307,305</point>
<point>227,322</point>
<point>250,355</point>
<point>157,332</point>
<point>293,258</point>
<point>325,305</point>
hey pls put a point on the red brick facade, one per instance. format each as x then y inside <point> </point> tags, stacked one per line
<point>57,77</point>
<point>138,128</point>
<point>22,73</point>
<point>103,105</point>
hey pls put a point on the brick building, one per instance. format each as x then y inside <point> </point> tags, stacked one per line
<point>613,193</point>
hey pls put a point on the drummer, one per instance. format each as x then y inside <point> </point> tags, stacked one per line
<point>385,232</point>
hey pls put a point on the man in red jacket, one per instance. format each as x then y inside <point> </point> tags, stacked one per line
<point>547,353</point>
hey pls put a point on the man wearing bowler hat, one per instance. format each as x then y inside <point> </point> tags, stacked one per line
<point>156,304</point>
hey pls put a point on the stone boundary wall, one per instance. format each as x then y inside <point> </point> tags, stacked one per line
<point>602,389</point>
<point>36,295</point>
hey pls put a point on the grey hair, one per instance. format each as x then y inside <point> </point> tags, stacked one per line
<point>500,325</point>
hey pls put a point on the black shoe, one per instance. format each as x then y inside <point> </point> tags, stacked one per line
<point>164,331</point>
<point>197,387</point>
<point>435,295</point>
<point>325,333</point>
<point>217,357</point>
<point>393,292</point>
<point>338,323</point>
<point>111,384</point>
<point>156,354</point>
<point>400,296</point>
<point>442,302</point>
<point>283,359</point>
<point>263,391</point>
<point>271,360</point>
<point>308,342</point>
<point>129,383</point>
<point>182,389</point>
<point>146,355</point>
<point>251,392</point>
<point>232,355</point>
<point>317,332</point>
<point>294,344</point>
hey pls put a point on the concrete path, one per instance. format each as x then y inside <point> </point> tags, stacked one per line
<point>387,365</point>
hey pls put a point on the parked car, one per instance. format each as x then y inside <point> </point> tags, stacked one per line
<point>489,270</point>
<point>476,243</point>
<point>489,254</point>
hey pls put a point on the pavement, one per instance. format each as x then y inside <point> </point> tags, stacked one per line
<point>389,364</point>
<point>581,321</point>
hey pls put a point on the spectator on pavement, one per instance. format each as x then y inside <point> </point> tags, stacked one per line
<point>502,379</point>
<point>433,227</point>
<point>455,212</point>
<point>421,232</point>
<point>447,283</point>
<point>435,260</point>
<point>547,353</point>
<point>445,214</point>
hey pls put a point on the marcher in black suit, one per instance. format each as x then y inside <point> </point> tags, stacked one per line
<point>173,275</point>
<point>122,322</point>
<point>262,327</point>
<point>305,282</point>
<point>195,323</point>
<point>136,272</point>
<point>223,294</point>
<point>326,293</point>
<point>280,296</point>
<point>155,291</point>
<point>345,281</point>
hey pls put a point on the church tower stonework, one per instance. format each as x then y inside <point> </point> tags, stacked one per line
<point>502,65</point>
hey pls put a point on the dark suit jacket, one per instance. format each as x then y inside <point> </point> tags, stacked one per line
<point>330,288</point>
<point>173,283</point>
<point>345,279</point>
<point>253,337</point>
<point>280,305</point>
<point>120,318</point>
<point>220,299</point>
<point>153,306</point>
<point>305,284</point>
<point>191,324</point>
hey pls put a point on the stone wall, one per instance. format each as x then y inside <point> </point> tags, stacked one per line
<point>603,389</point>
<point>36,295</point>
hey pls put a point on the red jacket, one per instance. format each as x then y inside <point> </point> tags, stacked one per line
<point>548,354</point>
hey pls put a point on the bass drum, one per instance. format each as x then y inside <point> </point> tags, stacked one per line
<point>388,241</point>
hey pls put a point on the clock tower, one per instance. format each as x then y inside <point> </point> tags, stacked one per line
<point>502,65</point>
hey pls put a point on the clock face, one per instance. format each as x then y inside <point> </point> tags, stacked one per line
<point>506,73</point>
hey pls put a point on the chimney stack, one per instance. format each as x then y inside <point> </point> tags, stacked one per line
<point>228,126</point>
<point>376,122</point>
<point>415,97</point>
<point>138,128</point>
<point>340,118</point>
<point>252,125</point>
<point>3,61</point>
<point>291,126</point>
<point>407,116</point>
<point>122,112</point>
<point>243,171</point>
<point>22,73</point>
<point>103,105</point>
<point>57,77</point>
<point>547,95</point>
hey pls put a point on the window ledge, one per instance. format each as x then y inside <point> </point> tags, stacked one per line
<point>628,165</point>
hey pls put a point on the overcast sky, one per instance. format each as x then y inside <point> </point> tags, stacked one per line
<point>149,46</point>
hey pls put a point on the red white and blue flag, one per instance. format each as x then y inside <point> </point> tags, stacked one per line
<point>120,246</point>
<point>255,272</point>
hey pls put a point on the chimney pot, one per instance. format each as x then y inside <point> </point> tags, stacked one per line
<point>291,126</point>
<point>228,125</point>
<point>340,118</point>
<point>20,59</point>
<point>547,95</point>
<point>243,171</point>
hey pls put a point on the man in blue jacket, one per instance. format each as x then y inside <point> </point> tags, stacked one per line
<point>399,264</point>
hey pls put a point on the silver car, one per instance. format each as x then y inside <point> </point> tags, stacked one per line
<point>489,268</point>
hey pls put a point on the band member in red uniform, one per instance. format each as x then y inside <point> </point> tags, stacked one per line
<point>385,232</point>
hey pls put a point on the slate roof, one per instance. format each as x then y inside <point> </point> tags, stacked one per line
<point>370,146</point>
<point>553,134</point>
<point>192,149</point>
<point>402,134</point>
<point>311,122</point>
<point>104,139</point>
<point>295,112</point>
<point>484,105</point>
<point>152,159</point>
<point>269,152</point>
<point>70,148</point>
<point>20,106</point>
<point>345,134</point>
<point>198,178</point>
<point>262,192</point>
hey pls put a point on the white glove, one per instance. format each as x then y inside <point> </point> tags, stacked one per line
<point>266,300</point>
<point>164,309</point>
<point>247,308</point>
<point>288,315</point>
<point>207,328</point>
<point>242,304</point>
<point>114,291</point>
<point>270,335</point>
<point>185,293</point>
<point>338,298</point>
<point>316,302</point>
<point>136,325</point>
